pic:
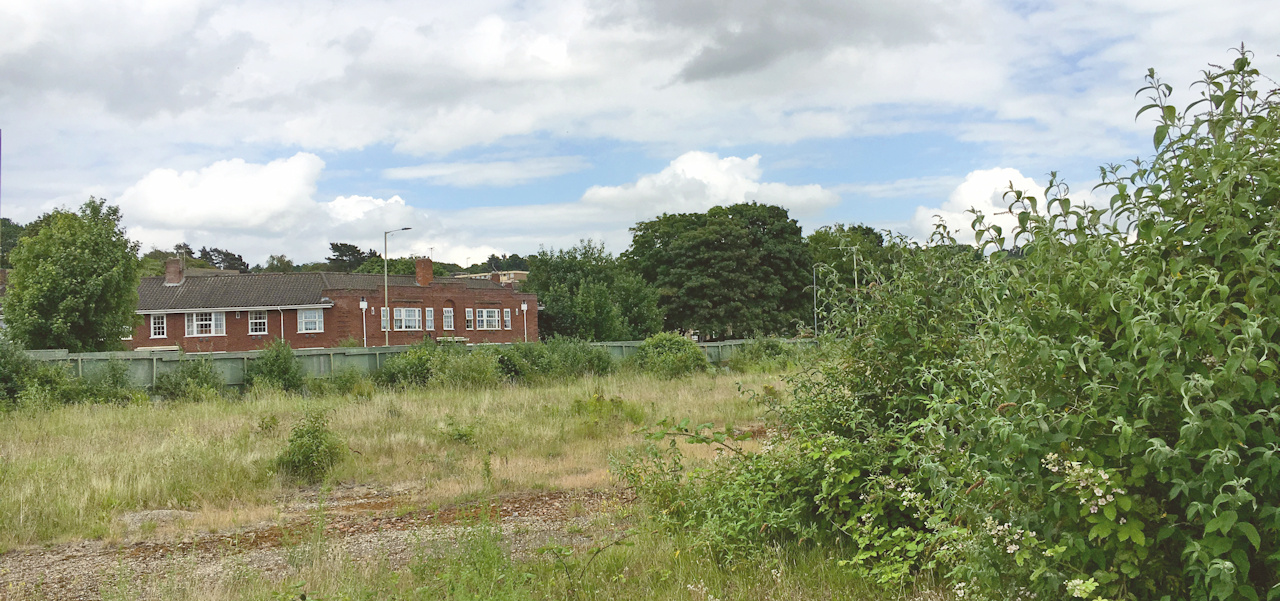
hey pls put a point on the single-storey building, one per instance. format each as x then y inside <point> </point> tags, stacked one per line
<point>204,311</point>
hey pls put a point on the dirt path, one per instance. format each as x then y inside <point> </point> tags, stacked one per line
<point>357,522</point>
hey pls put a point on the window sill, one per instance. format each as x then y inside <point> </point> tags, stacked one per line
<point>205,336</point>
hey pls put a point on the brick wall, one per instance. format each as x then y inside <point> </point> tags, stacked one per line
<point>345,320</point>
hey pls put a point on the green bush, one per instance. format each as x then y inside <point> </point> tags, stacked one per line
<point>344,382</point>
<point>557,359</point>
<point>16,368</point>
<point>312,450</point>
<point>670,355</point>
<point>191,380</point>
<point>413,367</point>
<point>1092,406</point>
<point>276,367</point>
<point>770,355</point>
<point>444,365</point>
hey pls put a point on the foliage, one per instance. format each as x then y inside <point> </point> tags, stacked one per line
<point>191,380</point>
<point>9,234</point>
<point>1095,413</point>
<point>349,382</point>
<point>223,259</point>
<point>587,294</point>
<point>349,257</point>
<point>849,250</point>
<point>276,366</point>
<point>74,282</point>
<point>557,359</point>
<point>446,364</point>
<point>313,449</point>
<point>16,369</point>
<point>507,263</point>
<point>670,355</point>
<point>740,270</point>
<point>277,264</point>
<point>771,355</point>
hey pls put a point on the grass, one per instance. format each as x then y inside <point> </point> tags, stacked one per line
<point>655,567</point>
<point>69,472</point>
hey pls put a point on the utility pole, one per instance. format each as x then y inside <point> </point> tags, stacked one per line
<point>386,290</point>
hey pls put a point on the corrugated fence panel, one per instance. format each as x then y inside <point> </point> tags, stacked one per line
<point>144,366</point>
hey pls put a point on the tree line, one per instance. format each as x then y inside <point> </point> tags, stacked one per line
<point>737,271</point>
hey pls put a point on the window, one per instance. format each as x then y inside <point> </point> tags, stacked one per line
<point>408,318</point>
<point>385,319</point>
<point>448,318</point>
<point>158,327</point>
<point>487,319</point>
<point>310,320</point>
<point>207,324</point>
<point>430,318</point>
<point>506,319</point>
<point>469,320</point>
<point>257,322</point>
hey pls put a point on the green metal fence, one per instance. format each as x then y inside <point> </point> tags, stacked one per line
<point>144,366</point>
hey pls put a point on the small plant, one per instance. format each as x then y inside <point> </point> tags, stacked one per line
<point>277,367</point>
<point>670,355</point>
<point>313,449</point>
<point>268,423</point>
<point>192,380</point>
<point>16,368</point>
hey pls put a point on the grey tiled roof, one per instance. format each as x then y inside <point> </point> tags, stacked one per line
<point>268,289</point>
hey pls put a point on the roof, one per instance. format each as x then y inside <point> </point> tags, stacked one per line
<point>255,290</point>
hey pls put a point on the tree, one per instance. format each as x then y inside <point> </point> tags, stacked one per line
<point>74,283</point>
<point>740,270</point>
<point>9,234</point>
<point>587,294</point>
<point>400,266</point>
<point>849,251</point>
<point>278,263</point>
<point>223,259</point>
<point>348,257</point>
<point>507,263</point>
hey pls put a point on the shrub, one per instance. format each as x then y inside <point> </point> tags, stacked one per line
<point>312,450</point>
<point>191,380</point>
<point>413,367</point>
<point>770,355</point>
<point>347,382</point>
<point>16,368</point>
<point>557,359</point>
<point>276,366</point>
<point>670,355</point>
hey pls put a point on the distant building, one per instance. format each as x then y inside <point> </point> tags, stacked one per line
<point>504,277</point>
<point>212,311</point>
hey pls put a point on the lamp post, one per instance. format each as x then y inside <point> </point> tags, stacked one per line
<point>524,317</point>
<point>386,291</point>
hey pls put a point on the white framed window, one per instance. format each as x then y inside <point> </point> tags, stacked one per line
<point>257,322</point>
<point>408,318</point>
<point>386,319</point>
<point>213,323</point>
<point>159,326</point>
<point>470,320</point>
<point>487,319</point>
<point>506,319</point>
<point>429,318</point>
<point>310,320</point>
<point>447,318</point>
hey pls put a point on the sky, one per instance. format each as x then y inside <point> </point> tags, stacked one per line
<point>278,126</point>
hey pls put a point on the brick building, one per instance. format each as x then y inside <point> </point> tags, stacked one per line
<point>210,311</point>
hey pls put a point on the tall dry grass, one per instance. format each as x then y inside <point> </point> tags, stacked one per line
<point>70,472</point>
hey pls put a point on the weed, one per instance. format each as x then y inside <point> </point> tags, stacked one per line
<point>313,449</point>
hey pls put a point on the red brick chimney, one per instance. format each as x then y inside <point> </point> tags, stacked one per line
<point>173,271</point>
<point>424,270</point>
<point>495,277</point>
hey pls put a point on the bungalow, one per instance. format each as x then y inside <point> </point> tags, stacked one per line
<point>210,311</point>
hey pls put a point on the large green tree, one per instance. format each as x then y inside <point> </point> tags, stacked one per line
<point>589,295</point>
<point>74,283</point>
<point>349,257</point>
<point>740,270</point>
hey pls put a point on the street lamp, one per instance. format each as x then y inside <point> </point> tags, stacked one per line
<point>386,291</point>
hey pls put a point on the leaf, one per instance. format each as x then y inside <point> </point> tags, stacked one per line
<point>1251,533</point>
<point>1162,132</point>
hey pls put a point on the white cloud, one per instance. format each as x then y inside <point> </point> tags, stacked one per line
<point>693,182</point>
<point>984,191</point>
<point>259,210</point>
<point>491,173</point>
